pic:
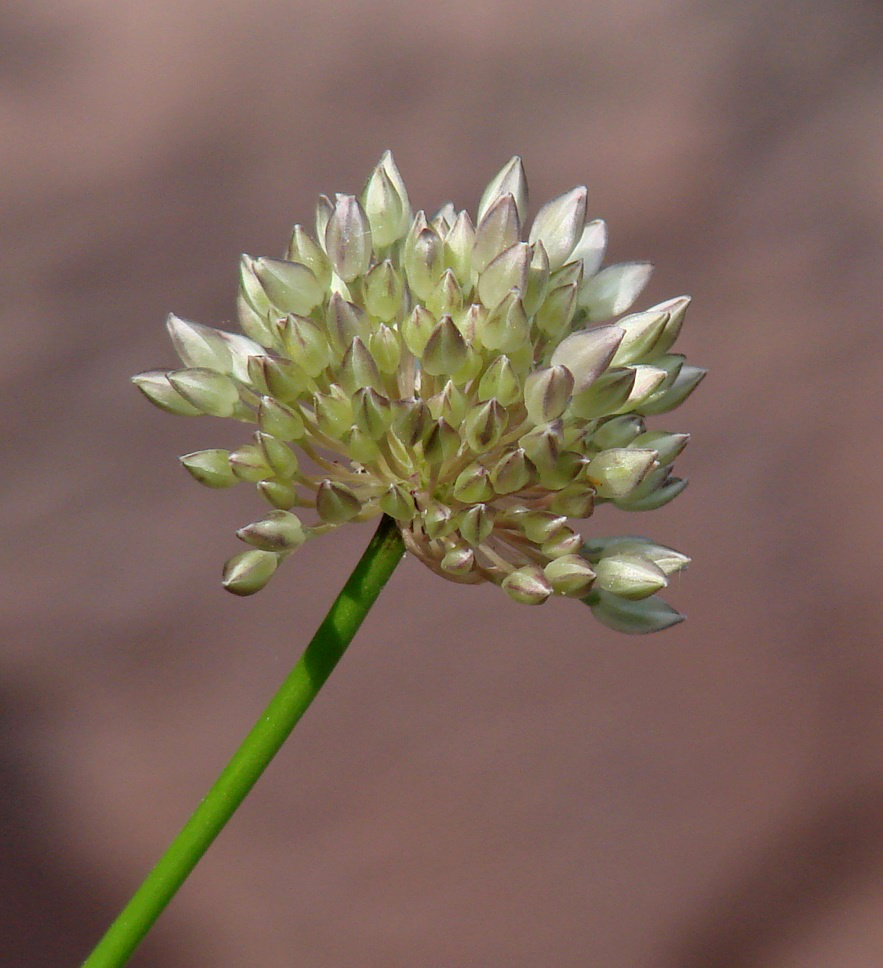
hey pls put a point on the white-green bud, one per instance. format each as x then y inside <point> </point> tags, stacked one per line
<point>501,381</point>
<point>459,243</point>
<point>373,413</point>
<point>667,446</point>
<point>643,333</point>
<point>416,330</point>
<point>280,457</point>
<point>360,448</point>
<point>386,349</point>
<point>497,230</point>
<point>606,395</point>
<point>210,467</point>
<point>509,180</point>
<point>459,560</point>
<point>557,311</point>
<point>281,494</point>
<point>476,524</point>
<point>538,274</point>
<point>629,576</point>
<point>637,618</point>
<point>506,327</point>
<point>587,354</point>
<point>210,392</point>
<point>438,520</point>
<point>279,531</point>
<point>660,495</point>
<point>324,211</point>
<point>446,296</point>
<point>613,290</point>
<point>473,485</point>
<point>200,346</point>
<point>527,585</point>
<point>249,463</point>
<point>284,379</point>
<point>383,290</point>
<point>155,385</point>
<point>547,393</point>
<point>569,575</point>
<point>398,502</point>
<point>619,432</point>
<point>686,382</point>
<point>249,572</point>
<point>289,286</point>
<point>576,500</point>
<point>445,351</point>
<point>441,443</point>
<point>449,403</point>
<point>306,344</point>
<point>559,224</point>
<point>506,272</point>
<point>280,420</point>
<point>344,322</point>
<point>303,249</point>
<point>484,425</point>
<point>424,262</point>
<point>677,310</point>
<point>334,411</point>
<point>615,473</point>
<point>563,542</point>
<point>411,420</point>
<point>666,559</point>
<point>591,247</point>
<point>513,472</point>
<point>358,368</point>
<point>384,207</point>
<point>336,502</point>
<point>348,238</point>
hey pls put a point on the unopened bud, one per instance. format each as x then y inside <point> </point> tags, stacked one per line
<point>445,350</point>
<point>513,472</point>
<point>459,243</point>
<point>385,348</point>
<point>509,180</point>
<point>249,572</point>
<point>279,531</point>
<point>615,473</point>
<point>336,503</point>
<point>547,393</point>
<point>383,290</point>
<point>210,392</point>
<point>334,411</point>
<point>473,485</point>
<point>289,286</point>
<point>446,295</point>
<point>398,503</point>
<point>441,443</point>
<point>417,329</point>
<point>485,425</point>
<point>280,420</point>
<point>348,238</point>
<point>570,575</point>
<point>559,224</point>
<point>506,326</point>
<point>557,311</point>
<point>497,230</point>
<point>423,261</point>
<point>210,467</point>
<point>476,524</point>
<point>373,413</point>
<point>280,457</point>
<point>281,494</point>
<point>629,576</point>
<point>501,381</point>
<point>527,585</point>
<point>155,385</point>
<point>306,344</point>
<point>358,368</point>
<point>507,271</point>
<point>587,354</point>
<point>613,290</point>
<point>384,207</point>
<point>308,253</point>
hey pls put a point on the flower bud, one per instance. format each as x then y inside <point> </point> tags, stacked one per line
<point>289,286</point>
<point>344,321</point>
<point>562,542</point>
<point>441,443</point>
<point>384,346</point>
<point>643,332</point>
<point>569,575</point>
<point>210,392</point>
<point>606,395</point>
<point>473,485</point>
<point>498,229</point>
<point>559,224</point>
<point>459,243</point>
<point>613,290</point>
<point>557,311</point>
<point>484,425</point>
<point>617,472</point>
<point>507,271</point>
<point>509,180</point>
<point>445,351</point>
<point>279,531</point>
<point>677,310</point>
<point>629,576</point>
<point>444,218</point>
<point>686,382</point>
<point>527,585</point>
<point>476,524</point>
<point>538,275</point>
<point>638,618</point>
<point>411,420</point>
<point>450,403</point>
<point>247,573</point>
<point>284,379</point>
<point>512,472</point>
<point>279,420</point>
<point>383,290</point>
<point>281,494</point>
<point>459,560</point>
<point>416,330</point>
<point>540,526</point>
<point>618,432</point>
<point>306,344</point>
<point>200,346</point>
<point>336,503</point>
<point>398,503</point>
<point>249,463</point>
<point>348,238</point>
<point>547,393</point>
<point>279,456</point>
<point>656,497</point>
<point>667,446</point>
<point>334,411</point>
<point>543,445</point>
<point>506,326</point>
<point>324,211</point>
<point>438,520</point>
<point>360,448</point>
<point>574,501</point>
<point>587,354</point>
<point>501,381</point>
<point>308,253</point>
<point>424,262</point>
<point>666,559</point>
<point>358,368</point>
<point>373,413</point>
<point>155,385</point>
<point>385,208</point>
<point>591,246</point>
<point>210,467</point>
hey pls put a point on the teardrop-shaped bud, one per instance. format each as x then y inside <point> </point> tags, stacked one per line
<point>591,247</point>
<point>587,354</point>
<point>411,420</point>
<point>445,350</point>
<point>540,526</point>
<point>509,180</point>
<point>444,218</point>
<point>543,445</point>
<point>513,472</point>
<point>199,345</point>
<point>284,379</point>
<point>438,520</point>
<point>289,286</point>
<point>506,327</point>
<point>563,542</point>
<point>459,560</point>
<point>280,494</point>
<point>559,224</point>
<point>389,166</point>
<point>249,463</point>
<point>576,500</point>
<point>507,271</point>
<point>423,261</point>
<point>416,330</point>
<point>638,618</point>
<point>280,420</point>
<point>618,432</point>
<point>658,496</point>
<point>667,559</point>
<point>459,243</point>
<point>677,310</point>
<point>306,344</point>
<point>629,576</point>
<point>484,425</point>
<point>336,503</point>
<point>210,392</point>
<point>476,524</point>
<point>613,290</point>
<point>398,502</point>
<point>303,249</point>
<point>385,208</point>
<point>473,485</point>
<point>210,467</point>
<point>383,290</point>
<point>557,311</point>
<point>501,381</point>
<point>450,403</point>
<point>570,575</point>
<point>348,238</point>
<point>249,572</point>
<point>643,333</point>
<point>446,296</point>
<point>324,211</point>
<point>334,411</point>
<point>441,443</point>
<point>606,395</point>
<point>344,321</point>
<point>527,585</point>
<point>373,413</point>
<point>358,368</point>
<point>547,393</point>
<point>615,473</point>
<point>538,275</point>
<point>279,531</point>
<point>155,385</point>
<point>686,382</point>
<point>360,448</point>
<point>280,457</point>
<point>386,349</point>
<point>667,446</point>
<point>497,230</point>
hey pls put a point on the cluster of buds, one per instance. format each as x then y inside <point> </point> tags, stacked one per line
<point>465,382</point>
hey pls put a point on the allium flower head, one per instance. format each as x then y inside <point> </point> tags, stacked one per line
<point>450,374</point>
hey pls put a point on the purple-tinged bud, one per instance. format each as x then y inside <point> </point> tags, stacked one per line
<point>249,572</point>
<point>280,420</point>
<point>210,392</point>
<point>484,426</point>
<point>279,531</point>
<point>507,271</point>
<point>373,413</point>
<point>348,238</point>
<point>210,467</point>
<point>497,230</point>
<point>476,524</point>
<point>336,503</point>
<point>547,393</point>
<point>559,224</point>
<point>445,351</point>
<point>570,575</point>
<point>587,354</point>
<point>303,249</point>
<point>155,385</point>
<point>613,290</point>
<point>527,585</point>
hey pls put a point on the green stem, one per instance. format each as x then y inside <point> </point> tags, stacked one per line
<point>257,749</point>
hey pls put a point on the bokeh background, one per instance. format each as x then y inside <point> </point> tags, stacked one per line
<point>481,783</point>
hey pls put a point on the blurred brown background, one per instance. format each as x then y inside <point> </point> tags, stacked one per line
<point>481,784</point>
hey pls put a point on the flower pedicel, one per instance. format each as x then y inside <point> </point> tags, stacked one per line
<point>465,382</point>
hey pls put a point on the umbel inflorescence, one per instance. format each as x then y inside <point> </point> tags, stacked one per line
<point>461,380</point>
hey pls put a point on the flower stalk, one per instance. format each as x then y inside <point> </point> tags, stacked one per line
<point>257,750</point>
